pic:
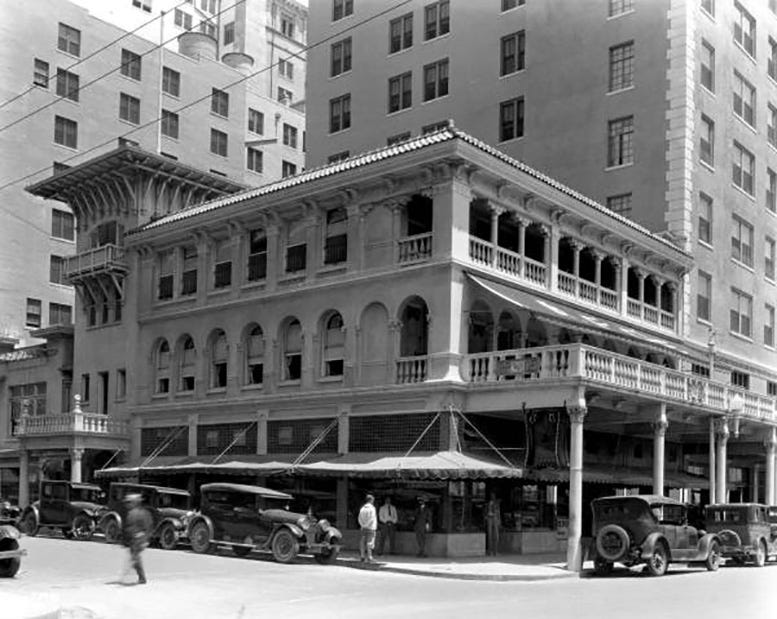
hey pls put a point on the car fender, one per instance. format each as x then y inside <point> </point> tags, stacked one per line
<point>296,531</point>
<point>650,543</point>
<point>105,517</point>
<point>31,508</point>
<point>201,518</point>
<point>705,542</point>
<point>177,523</point>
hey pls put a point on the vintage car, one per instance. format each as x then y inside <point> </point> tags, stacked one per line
<point>10,553</point>
<point>246,518</point>
<point>744,531</point>
<point>170,510</point>
<point>73,507</point>
<point>9,513</point>
<point>651,530</point>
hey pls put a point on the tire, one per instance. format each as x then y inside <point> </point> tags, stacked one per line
<point>328,556</point>
<point>658,561</point>
<point>242,551</point>
<point>9,567</point>
<point>67,533</point>
<point>714,557</point>
<point>284,546</point>
<point>760,554</point>
<point>200,538</point>
<point>612,542</point>
<point>29,524</point>
<point>602,567</point>
<point>112,531</point>
<point>168,537</point>
<point>83,527</point>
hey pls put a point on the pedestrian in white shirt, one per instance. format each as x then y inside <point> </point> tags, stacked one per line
<point>368,523</point>
<point>387,523</point>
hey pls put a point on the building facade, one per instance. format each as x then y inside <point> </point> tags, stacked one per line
<point>664,111</point>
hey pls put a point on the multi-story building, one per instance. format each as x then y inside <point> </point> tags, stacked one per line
<point>207,126</point>
<point>664,111</point>
<point>435,319</point>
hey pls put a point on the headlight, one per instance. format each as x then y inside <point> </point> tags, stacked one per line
<point>305,523</point>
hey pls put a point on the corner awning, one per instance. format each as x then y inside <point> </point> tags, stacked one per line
<point>441,465</point>
<point>240,465</point>
<point>569,316</point>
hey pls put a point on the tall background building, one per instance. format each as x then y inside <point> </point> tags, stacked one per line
<point>664,111</point>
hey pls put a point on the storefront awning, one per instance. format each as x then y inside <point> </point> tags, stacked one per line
<point>442,465</point>
<point>622,476</point>
<point>239,465</point>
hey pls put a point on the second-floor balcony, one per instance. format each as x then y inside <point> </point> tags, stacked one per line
<point>104,259</point>
<point>71,423</point>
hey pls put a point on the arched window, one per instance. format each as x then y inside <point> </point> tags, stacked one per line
<point>292,350</point>
<point>218,360</point>
<point>415,328</point>
<point>254,350</point>
<point>334,345</point>
<point>162,367</point>
<point>187,365</point>
<point>481,328</point>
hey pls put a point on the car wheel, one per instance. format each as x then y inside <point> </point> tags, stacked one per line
<point>612,542</point>
<point>242,551</point>
<point>9,567</point>
<point>284,546</point>
<point>602,567</point>
<point>714,557</point>
<point>658,561</point>
<point>83,527</point>
<point>29,524</point>
<point>168,537</point>
<point>327,556</point>
<point>760,554</point>
<point>200,538</point>
<point>68,534</point>
<point>112,531</point>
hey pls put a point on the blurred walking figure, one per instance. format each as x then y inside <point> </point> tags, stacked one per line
<point>387,522</point>
<point>137,526</point>
<point>368,523</point>
<point>493,523</point>
<point>422,525</point>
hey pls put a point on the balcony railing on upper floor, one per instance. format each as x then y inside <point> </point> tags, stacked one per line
<point>105,258</point>
<point>67,423</point>
<point>508,262</point>
<point>415,248</point>
<point>412,369</point>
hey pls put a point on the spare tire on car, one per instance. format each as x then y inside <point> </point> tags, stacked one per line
<point>612,542</point>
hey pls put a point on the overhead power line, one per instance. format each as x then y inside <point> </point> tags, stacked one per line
<point>208,96</point>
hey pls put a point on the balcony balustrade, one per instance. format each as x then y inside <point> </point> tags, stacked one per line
<point>416,248</point>
<point>105,258</point>
<point>67,423</point>
<point>411,369</point>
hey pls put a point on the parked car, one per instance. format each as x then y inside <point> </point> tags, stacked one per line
<point>744,531</point>
<point>170,510</point>
<point>10,553</point>
<point>246,518</point>
<point>651,530</point>
<point>9,513</point>
<point>73,507</point>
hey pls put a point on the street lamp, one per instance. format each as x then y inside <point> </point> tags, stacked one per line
<point>736,405</point>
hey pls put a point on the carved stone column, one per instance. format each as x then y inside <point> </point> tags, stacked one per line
<point>659,434</point>
<point>76,457</point>
<point>771,452</point>
<point>522,225</point>
<point>24,478</point>
<point>721,491</point>
<point>712,466</point>
<point>577,413</point>
<point>496,211</point>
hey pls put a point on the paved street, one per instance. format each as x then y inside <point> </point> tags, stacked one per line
<point>59,574</point>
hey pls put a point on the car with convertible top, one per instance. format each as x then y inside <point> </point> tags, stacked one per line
<point>73,507</point>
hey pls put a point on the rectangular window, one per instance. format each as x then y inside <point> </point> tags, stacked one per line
<point>744,29</point>
<point>40,73</point>
<point>189,273</point>
<point>144,5</point>
<point>744,99</point>
<point>771,125</point>
<point>771,62</point>
<point>707,66</point>
<point>618,7</point>
<point>704,296</point>
<point>296,258</point>
<point>431,128</point>
<point>60,314</point>
<point>740,379</point>
<point>257,255</point>
<point>219,102</point>
<point>170,124</point>
<point>287,26</point>
<point>741,313</point>
<point>183,19</point>
<point>32,318</point>
<point>289,135</point>
<point>622,66</point>
<point>620,204</point>
<point>511,4</point>
<point>742,241</point>
<point>288,169</point>
<point>769,257</point>
<point>341,8</point>
<point>165,282</point>
<point>339,113</point>
<point>229,33</point>
<point>65,132</point>
<point>620,146</point>
<point>121,384</point>
<point>400,92</point>
<point>222,267</point>
<point>341,57</point>
<point>85,387</point>
<point>707,141</point>
<point>511,119</point>
<point>771,190</point>
<point>129,108</point>
<point>400,33</point>
<point>286,68</point>
<point>218,142</point>
<point>255,121</point>
<point>338,157</point>
<point>743,168</point>
<point>771,388</point>
<point>705,218</point>
<point>254,159</point>
<point>171,82</point>
<point>336,243</point>
<point>396,139</point>
<point>285,96</point>
<point>62,225</point>
<point>512,53</point>
<point>709,6</point>
<point>130,64</point>
<point>57,270</point>
<point>436,80</point>
<point>436,19</point>
<point>768,325</point>
<point>69,40</point>
<point>208,28</point>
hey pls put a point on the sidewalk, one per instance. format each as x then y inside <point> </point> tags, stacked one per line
<point>532,567</point>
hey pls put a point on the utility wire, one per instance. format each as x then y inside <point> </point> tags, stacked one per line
<point>101,77</point>
<point>94,53</point>
<point>201,99</point>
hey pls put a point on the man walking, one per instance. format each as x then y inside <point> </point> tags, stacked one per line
<point>387,522</point>
<point>368,523</point>
<point>421,525</point>
<point>493,523</point>
<point>137,526</point>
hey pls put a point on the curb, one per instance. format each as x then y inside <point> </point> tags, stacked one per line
<point>377,567</point>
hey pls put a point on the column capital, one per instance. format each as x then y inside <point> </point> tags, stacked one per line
<point>577,413</point>
<point>721,429</point>
<point>496,209</point>
<point>770,441</point>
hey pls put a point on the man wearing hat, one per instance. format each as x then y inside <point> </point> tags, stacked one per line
<point>137,526</point>
<point>421,525</point>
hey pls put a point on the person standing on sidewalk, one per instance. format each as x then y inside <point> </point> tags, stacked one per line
<point>421,525</point>
<point>368,523</point>
<point>387,522</point>
<point>493,523</point>
<point>137,526</point>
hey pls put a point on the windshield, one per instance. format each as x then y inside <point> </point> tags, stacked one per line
<point>175,501</point>
<point>86,494</point>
